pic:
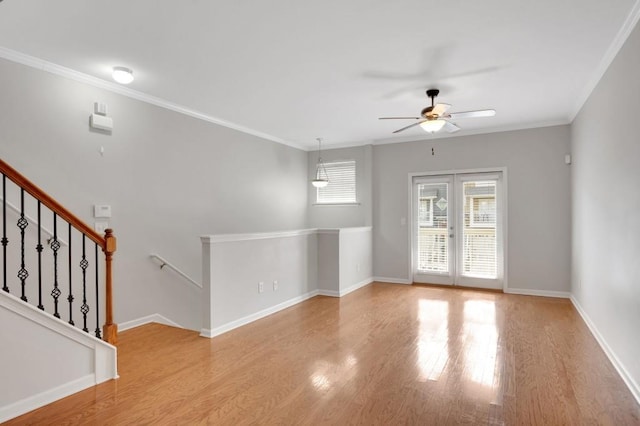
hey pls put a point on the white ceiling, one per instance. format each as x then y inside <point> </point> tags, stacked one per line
<point>297,70</point>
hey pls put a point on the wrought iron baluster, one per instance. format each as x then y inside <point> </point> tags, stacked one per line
<point>98,334</point>
<point>55,246</point>
<point>5,241</point>
<point>70,297</point>
<point>83,265</point>
<point>23,274</point>
<point>39,250</point>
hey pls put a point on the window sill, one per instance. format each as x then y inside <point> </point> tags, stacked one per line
<point>336,204</point>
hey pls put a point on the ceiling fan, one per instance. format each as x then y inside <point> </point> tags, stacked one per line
<point>435,117</point>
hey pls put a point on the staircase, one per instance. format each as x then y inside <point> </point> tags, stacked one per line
<point>56,312</point>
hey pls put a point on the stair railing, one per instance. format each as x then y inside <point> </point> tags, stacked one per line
<point>77,246</point>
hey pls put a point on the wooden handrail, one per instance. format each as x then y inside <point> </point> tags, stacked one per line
<point>107,243</point>
<point>52,204</point>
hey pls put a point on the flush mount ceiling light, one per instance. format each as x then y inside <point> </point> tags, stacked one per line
<point>122,75</point>
<point>322,178</point>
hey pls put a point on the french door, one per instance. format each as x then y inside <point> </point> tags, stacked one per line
<point>457,231</point>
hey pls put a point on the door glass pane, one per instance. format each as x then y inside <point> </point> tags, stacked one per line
<point>433,222</point>
<point>479,250</point>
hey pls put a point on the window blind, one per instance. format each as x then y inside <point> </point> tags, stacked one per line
<point>342,183</point>
<point>479,257</point>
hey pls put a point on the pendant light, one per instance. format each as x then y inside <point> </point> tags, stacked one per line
<point>322,179</point>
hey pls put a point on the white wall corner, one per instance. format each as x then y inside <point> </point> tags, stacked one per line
<point>208,333</point>
<point>106,364</point>
<point>157,318</point>
<point>620,368</point>
<point>356,286</point>
<point>606,61</point>
<point>329,293</point>
<point>207,282</point>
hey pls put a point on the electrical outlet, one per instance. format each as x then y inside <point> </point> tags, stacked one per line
<point>275,285</point>
<point>260,287</point>
<point>358,267</point>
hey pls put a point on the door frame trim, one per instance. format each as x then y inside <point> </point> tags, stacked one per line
<point>505,192</point>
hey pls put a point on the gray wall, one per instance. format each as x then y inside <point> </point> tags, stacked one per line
<point>343,216</point>
<point>329,261</point>
<point>538,188</point>
<point>605,142</point>
<point>355,260</point>
<point>238,266</point>
<point>168,177</point>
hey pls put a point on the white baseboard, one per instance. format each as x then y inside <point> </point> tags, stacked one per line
<point>543,293</point>
<point>256,316</point>
<point>47,397</point>
<point>392,280</point>
<point>147,320</point>
<point>356,286</point>
<point>329,293</point>
<point>622,371</point>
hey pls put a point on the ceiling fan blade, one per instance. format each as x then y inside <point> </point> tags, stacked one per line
<point>408,127</point>
<point>472,114</point>
<point>450,127</point>
<point>440,109</point>
<point>399,118</point>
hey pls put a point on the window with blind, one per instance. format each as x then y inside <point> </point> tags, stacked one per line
<point>479,250</point>
<point>342,183</point>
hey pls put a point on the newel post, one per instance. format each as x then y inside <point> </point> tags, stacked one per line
<point>110,330</point>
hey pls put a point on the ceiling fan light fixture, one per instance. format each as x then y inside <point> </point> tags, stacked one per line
<point>432,126</point>
<point>122,75</point>
<point>430,117</point>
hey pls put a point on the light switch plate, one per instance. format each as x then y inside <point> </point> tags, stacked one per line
<point>100,227</point>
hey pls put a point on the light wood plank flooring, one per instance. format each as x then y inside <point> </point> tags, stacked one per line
<point>385,354</point>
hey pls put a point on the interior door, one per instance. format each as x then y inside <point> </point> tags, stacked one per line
<point>457,230</point>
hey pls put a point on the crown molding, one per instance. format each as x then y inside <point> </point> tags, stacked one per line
<point>619,40</point>
<point>40,64</point>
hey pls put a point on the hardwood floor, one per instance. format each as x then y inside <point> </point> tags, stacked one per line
<point>385,354</point>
